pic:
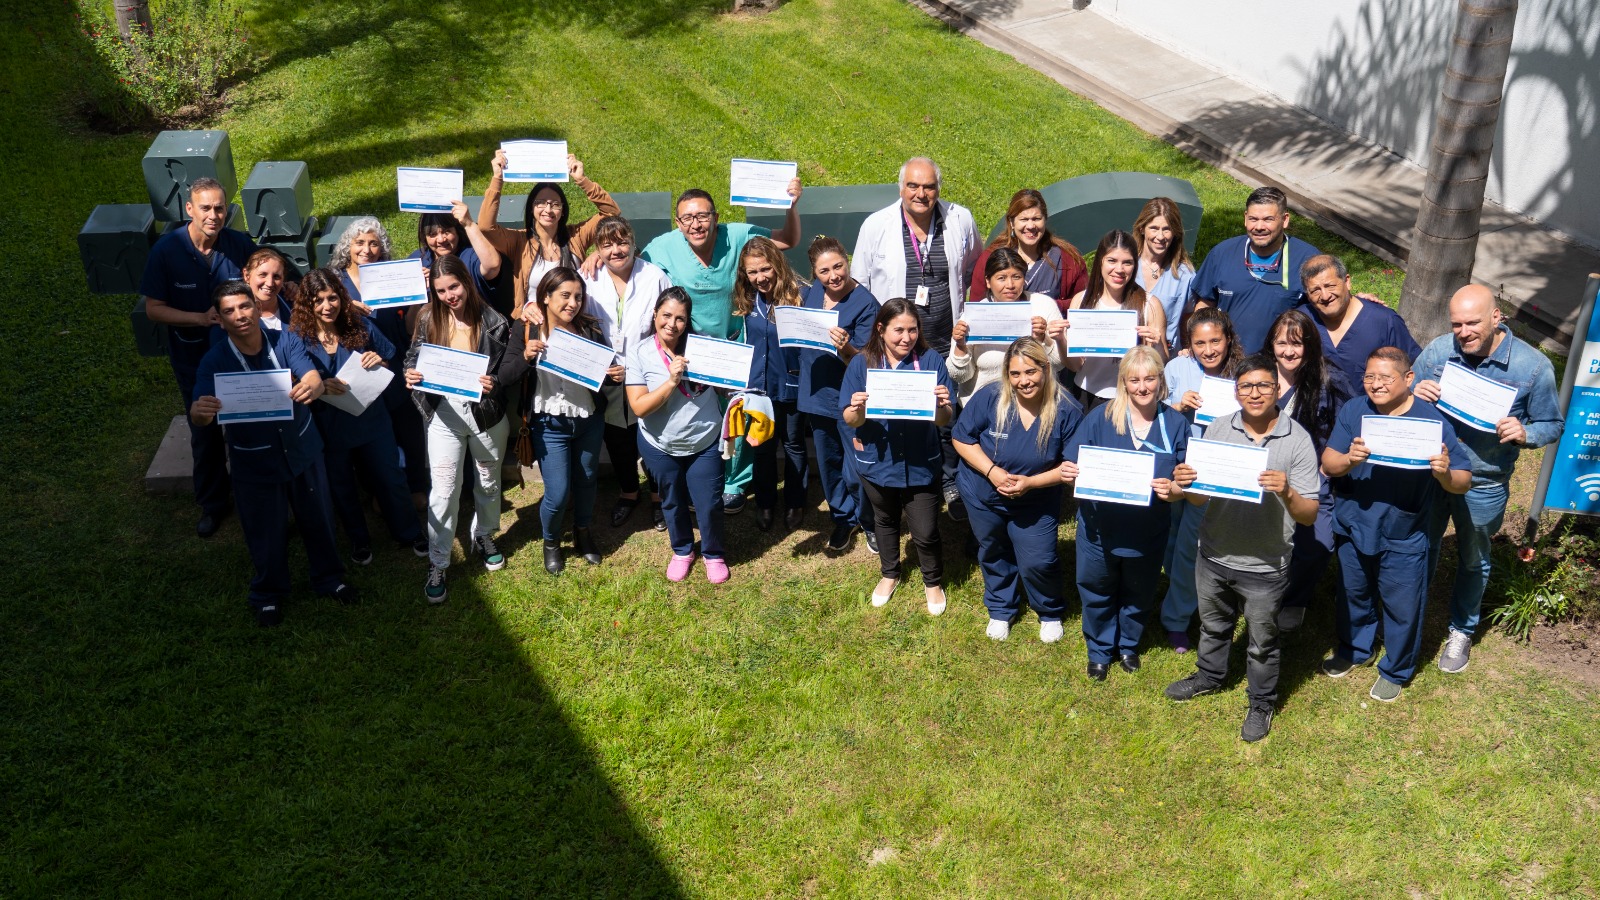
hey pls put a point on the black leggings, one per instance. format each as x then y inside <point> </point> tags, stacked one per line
<point>921,506</point>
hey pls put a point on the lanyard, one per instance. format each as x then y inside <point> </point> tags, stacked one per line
<point>667,361</point>
<point>271,356</point>
<point>1284,263</point>
<point>916,248</point>
<point>916,364</point>
<point>1155,428</point>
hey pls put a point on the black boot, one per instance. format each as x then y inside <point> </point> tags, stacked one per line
<point>583,539</point>
<point>553,562</point>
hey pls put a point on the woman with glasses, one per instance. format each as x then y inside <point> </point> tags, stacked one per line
<point>547,239</point>
<point>1052,266</point>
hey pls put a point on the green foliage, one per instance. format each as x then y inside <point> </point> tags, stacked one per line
<point>172,75</point>
<point>1557,579</point>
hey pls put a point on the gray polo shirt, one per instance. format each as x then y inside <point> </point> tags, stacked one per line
<point>1256,537</point>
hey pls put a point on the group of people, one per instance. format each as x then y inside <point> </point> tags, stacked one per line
<point>1308,362</point>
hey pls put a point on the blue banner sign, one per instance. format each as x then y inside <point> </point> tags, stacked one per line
<point>1571,475</point>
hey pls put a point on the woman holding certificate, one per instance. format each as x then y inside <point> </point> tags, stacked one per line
<point>763,285</point>
<point>1006,274</point>
<point>1012,435</point>
<point>679,425</point>
<point>1112,286</point>
<point>457,334</point>
<point>564,419</point>
<point>340,341</point>
<point>822,371</point>
<point>1122,459</point>
<point>546,240</point>
<point>894,440</point>
<point>1165,271</point>
<point>1052,266</point>
<point>455,233</point>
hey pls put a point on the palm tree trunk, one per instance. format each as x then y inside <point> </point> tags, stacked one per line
<point>1446,237</point>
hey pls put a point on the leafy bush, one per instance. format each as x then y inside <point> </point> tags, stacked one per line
<point>1557,578</point>
<point>172,76</point>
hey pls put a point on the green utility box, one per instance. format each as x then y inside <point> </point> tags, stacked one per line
<point>1083,209</point>
<point>149,337</point>
<point>300,250</point>
<point>176,158</point>
<point>277,200</point>
<point>114,245</point>
<point>836,211</point>
<point>649,212</point>
<point>512,208</point>
<point>332,228</point>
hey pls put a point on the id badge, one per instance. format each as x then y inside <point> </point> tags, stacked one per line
<point>922,295</point>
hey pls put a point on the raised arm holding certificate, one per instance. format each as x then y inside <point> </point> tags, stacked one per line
<point>1115,476</point>
<point>902,394</point>
<point>762,183</point>
<point>1217,400</point>
<point>535,160</point>
<point>1473,399</point>
<point>1230,471</point>
<point>254,396</point>
<point>1402,442</point>
<point>364,385</point>
<point>450,372</point>
<point>1102,332</point>
<point>724,364</point>
<point>577,359</point>
<point>997,323</point>
<point>808,328</point>
<point>397,282</point>
<point>427,190</point>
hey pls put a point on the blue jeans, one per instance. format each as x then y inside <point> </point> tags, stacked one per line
<point>684,480</point>
<point>1183,545</point>
<point>1117,592</point>
<point>1477,515</point>
<point>568,451</point>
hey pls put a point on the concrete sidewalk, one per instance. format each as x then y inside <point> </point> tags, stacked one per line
<point>1348,185</point>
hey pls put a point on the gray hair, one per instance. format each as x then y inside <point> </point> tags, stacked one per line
<point>938,176</point>
<point>364,225</point>
<point>1320,263</point>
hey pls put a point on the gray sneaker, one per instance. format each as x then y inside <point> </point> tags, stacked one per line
<point>1384,690</point>
<point>1257,722</point>
<point>1456,650</point>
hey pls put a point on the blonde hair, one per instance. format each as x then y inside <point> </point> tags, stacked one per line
<point>1005,404</point>
<point>1142,360</point>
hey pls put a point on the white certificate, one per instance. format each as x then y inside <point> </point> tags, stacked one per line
<point>1115,476</point>
<point>451,372</point>
<point>1475,400</point>
<point>762,183</point>
<point>535,160</point>
<point>365,385</point>
<point>577,359</point>
<point>254,396</point>
<point>1232,471</point>
<point>718,363</point>
<point>902,394</point>
<point>427,190</point>
<point>997,323</point>
<point>1102,332</point>
<point>398,282</point>
<point>808,328</point>
<point>1401,441</point>
<point>1217,400</point>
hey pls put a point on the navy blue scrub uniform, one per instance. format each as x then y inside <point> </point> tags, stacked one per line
<point>367,439</point>
<point>183,278</point>
<point>775,371</point>
<point>820,375</point>
<point>1380,518</point>
<point>277,467</point>
<point>901,466</point>
<point>1252,299</point>
<point>1016,538</point>
<point>405,422</point>
<point>1120,546</point>
<point>1313,544</point>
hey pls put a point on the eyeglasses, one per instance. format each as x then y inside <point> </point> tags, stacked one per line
<point>1257,387</point>
<point>1384,380</point>
<point>696,218</point>
<point>547,204</point>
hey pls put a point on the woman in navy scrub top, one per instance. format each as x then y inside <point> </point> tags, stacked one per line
<point>455,234</point>
<point>763,283</point>
<point>1118,544</point>
<point>820,375</point>
<point>326,321</point>
<point>264,273</point>
<point>900,462</point>
<point>1012,436</point>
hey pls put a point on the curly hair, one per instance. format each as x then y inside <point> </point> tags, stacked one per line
<point>347,326</point>
<point>340,261</point>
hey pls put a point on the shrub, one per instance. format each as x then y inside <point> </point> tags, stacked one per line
<point>175,74</point>
<point>1557,578</point>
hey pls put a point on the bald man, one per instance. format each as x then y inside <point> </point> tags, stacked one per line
<point>1480,341</point>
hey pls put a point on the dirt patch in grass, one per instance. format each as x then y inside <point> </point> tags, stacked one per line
<point>1568,649</point>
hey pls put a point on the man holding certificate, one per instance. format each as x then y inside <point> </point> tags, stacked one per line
<point>1380,525</point>
<point>1246,536</point>
<point>276,461</point>
<point>1484,345</point>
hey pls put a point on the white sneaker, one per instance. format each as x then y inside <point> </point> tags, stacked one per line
<point>999,629</point>
<point>936,607</point>
<point>1050,632</point>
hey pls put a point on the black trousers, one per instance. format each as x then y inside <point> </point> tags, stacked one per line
<point>921,507</point>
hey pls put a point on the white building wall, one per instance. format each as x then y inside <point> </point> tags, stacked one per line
<point>1374,68</point>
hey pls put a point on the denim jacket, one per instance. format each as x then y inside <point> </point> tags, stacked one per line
<point>1538,403</point>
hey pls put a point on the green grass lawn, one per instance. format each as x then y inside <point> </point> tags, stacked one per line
<point>609,734</point>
